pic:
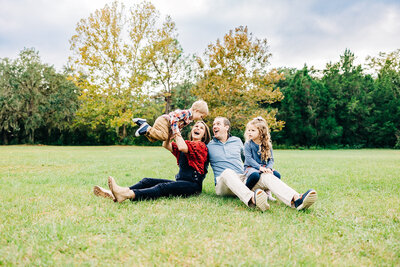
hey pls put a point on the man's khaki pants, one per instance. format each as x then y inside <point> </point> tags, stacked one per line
<point>281,190</point>
<point>230,183</point>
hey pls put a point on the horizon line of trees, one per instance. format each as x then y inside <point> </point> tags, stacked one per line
<point>127,62</point>
<point>342,106</point>
<point>338,107</point>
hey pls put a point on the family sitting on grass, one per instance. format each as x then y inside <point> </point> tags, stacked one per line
<point>251,181</point>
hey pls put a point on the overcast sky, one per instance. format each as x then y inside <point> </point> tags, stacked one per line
<point>298,32</point>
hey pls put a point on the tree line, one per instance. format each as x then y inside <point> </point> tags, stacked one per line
<point>127,62</point>
<point>342,105</point>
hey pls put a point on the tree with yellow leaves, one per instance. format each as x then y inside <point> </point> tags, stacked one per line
<point>235,81</point>
<point>165,57</point>
<point>115,54</point>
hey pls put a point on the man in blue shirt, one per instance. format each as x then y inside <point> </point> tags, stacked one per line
<point>225,153</point>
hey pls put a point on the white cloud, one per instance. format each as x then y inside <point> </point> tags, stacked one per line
<point>298,32</point>
<point>43,24</point>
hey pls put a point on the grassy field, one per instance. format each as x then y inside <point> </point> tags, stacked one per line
<point>49,215</point>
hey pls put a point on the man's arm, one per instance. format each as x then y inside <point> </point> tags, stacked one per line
<point>242,154</point>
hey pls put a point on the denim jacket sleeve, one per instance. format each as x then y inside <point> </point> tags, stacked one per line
<point>249,160</point>
<point>270,162</point>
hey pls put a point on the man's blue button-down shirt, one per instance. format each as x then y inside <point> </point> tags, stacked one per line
<point>226,155</point>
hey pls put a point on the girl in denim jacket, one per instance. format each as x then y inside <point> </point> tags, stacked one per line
<point>258,153</point>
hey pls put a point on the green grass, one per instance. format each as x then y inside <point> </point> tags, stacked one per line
<point>49,215</point>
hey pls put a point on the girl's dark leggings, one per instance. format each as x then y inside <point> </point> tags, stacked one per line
<point>150,188</point>
<point>255,177</point>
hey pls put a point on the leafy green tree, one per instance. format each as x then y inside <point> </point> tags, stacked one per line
<point>350,91</point>
<point>385,120</point>
<point>235,81</point>
<point>307,110</point>
<point>62,102</point>
<point>10,100</point>
<point>182,96</point>
<point>118,55</point>
<point>32,87</point>
<point>165,56</point>
<point>33,97</point>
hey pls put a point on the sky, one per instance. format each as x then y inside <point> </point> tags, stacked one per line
<point>298,32</point>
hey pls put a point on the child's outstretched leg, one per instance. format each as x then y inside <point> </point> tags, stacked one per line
<point>159,131</point>
<point>143,129</point>
<point>276,173</point>
<point>143,126</point>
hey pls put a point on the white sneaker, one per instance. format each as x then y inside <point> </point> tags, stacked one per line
<point>270,197</point>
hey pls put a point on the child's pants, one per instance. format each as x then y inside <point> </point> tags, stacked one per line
<point>161,130</point>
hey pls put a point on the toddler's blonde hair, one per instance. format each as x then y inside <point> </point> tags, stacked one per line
<point>201,106</point>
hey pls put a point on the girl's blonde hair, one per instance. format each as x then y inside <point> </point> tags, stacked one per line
<point>265,137</point>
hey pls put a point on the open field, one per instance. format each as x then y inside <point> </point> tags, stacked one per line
<point>49,215</point>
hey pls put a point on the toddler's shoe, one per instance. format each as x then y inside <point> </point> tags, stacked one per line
<point>142,129</point>
<point>139,121</point>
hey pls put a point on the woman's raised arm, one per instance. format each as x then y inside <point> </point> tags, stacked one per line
<point>180,142</point>
<point>167,145</point>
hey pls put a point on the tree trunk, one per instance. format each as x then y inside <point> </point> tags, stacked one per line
<point>124,134</point>
<point>167,104</point>
<point>32,137</point>
<point>5,139</point>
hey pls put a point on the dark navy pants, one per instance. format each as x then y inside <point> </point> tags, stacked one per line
<point>151,188</point>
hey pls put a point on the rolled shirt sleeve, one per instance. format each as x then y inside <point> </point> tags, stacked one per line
<point>179,119</point>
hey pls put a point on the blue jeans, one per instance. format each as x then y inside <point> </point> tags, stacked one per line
<point>150,188</point>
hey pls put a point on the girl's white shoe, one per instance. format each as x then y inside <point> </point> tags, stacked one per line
<point>270,197</point>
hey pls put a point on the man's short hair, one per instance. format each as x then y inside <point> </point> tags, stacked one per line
<point>201,106</point>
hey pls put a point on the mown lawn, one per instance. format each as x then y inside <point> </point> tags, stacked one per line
<point>49,215</point>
